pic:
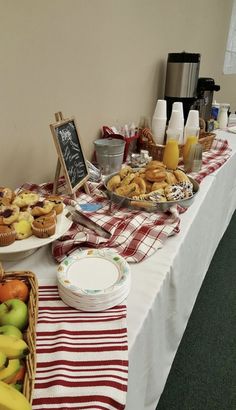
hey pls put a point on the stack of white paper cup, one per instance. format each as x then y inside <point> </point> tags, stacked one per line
<point>192,125</point>
<point>159,122</point>
<point>175,126</point>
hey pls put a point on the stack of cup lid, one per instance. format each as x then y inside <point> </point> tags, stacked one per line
<point>93,279</point>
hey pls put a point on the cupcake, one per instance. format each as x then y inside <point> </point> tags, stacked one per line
<point>23,229</point>
<point>41,208</point>
<point>57,202</point>
<point>6,195</point>
<point>7,235</point>
<point>26,198</point>
<point>51,214</point>
<point>44,227</point>
<point>8,214</point>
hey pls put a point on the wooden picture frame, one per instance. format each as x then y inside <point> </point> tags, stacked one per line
<point>70,154</point>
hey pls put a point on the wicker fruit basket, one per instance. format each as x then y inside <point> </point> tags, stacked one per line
<point>30,332</point>
<point>156,151</point>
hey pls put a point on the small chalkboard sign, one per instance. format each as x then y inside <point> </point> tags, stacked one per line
<point>70,153</point>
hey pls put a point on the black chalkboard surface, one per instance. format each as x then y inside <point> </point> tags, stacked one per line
<point>70,153</point>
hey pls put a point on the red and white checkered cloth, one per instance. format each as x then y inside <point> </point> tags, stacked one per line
<point>135,235</point>
<point>213,159</point>
<point>82,358</point>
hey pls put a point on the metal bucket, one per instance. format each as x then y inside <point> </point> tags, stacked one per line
<point>109,154</point>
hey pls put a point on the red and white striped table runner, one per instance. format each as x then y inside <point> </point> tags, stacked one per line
<point>82,358</point>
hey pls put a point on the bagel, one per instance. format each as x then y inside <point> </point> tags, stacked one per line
<point>181,176</point>
<point>125,171</point>
<point>141,184</point>
<point>126,190</point>
<point>128,179</point>
<point>155,164</point>
<point>114,182</point>
<point>155,175</point>
<point>170,178</point>
<point>158,185</point>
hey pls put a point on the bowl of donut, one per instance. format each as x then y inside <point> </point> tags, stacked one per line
<point>151,188</point>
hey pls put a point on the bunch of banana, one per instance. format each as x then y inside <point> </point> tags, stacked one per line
<point>11,399</point>
<point>12,350</point>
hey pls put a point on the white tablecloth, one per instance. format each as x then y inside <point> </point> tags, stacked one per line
<point>165,286</point>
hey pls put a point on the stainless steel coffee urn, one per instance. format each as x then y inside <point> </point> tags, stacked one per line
<point>181,80</point>
<point>205,91</point>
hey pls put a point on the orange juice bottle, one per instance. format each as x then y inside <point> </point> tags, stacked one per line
<point>192,139</point>
<point>171,154</point>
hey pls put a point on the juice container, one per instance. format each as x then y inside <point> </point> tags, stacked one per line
<point>192,139</point>
<point>171,154</point>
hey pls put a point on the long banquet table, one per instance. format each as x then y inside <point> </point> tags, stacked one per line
<point>165,285</point>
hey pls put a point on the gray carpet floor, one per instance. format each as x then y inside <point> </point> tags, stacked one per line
<point>203,375</point>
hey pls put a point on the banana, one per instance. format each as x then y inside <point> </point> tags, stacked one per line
<point>13,348</point>
<point>3,360</point>
<point>12,399</point>
<point>10,370</point>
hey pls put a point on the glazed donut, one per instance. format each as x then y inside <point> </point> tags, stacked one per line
<point>141,184</point>
<point>6,195</point>
<point>114,182</point>
<point>155,175</point>
<point>9,214</point>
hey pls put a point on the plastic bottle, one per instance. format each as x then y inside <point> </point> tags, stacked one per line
<point>171,154</point>
<point>223,116</point>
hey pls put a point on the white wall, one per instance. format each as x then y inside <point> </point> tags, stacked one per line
<point>100,61</point>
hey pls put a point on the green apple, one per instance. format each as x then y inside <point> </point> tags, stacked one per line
<point>14,312</point>
<point>11,330</point>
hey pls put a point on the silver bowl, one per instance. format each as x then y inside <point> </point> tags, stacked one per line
<point>149,206</point>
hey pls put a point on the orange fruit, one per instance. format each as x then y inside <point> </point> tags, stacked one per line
<point>14,289</point>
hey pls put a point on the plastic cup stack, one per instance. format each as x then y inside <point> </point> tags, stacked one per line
<point>159,122</point>
<point>192,125</point>
<point>175,126</point>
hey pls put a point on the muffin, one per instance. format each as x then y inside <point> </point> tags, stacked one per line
<point>6,195</point>
<point>7,235</point>
<point>26,198</point>
<point>44,227</point>
<point>8,214</point>
<point>57,202</point>
<point>41,208</point>
<point>23,229</point>
<point>51,214</point>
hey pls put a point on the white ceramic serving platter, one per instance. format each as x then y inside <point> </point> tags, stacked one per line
<point>93,272</point>
<point>22,248</point>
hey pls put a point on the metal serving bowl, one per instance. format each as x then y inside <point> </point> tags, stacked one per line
<point>149,206</point>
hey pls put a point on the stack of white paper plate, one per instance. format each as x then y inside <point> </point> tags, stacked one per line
<point>93,279</point>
